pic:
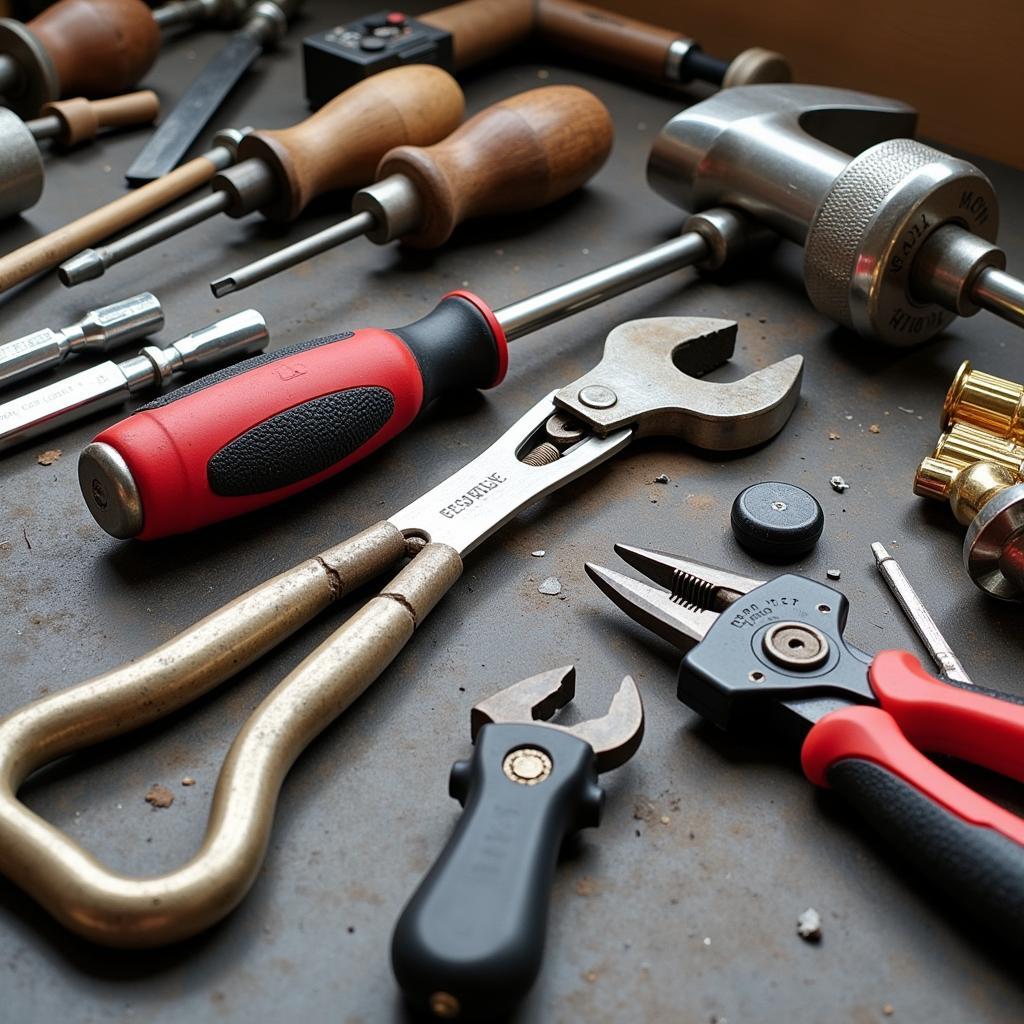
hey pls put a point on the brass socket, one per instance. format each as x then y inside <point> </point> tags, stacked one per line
<point>987,402</point>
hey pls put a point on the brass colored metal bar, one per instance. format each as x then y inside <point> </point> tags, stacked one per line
<point>987,402</point>
<point>118,910</point>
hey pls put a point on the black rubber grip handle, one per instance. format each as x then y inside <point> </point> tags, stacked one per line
<point>976,867</point>
<point>471,939</point>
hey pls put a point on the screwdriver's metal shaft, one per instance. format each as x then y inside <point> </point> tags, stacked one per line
<point>290,255</point>
<point>93,263</point>
<point>548,307</point>
<point>920,619</point>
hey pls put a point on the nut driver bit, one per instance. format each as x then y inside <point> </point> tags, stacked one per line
<point>898,237</point>
<point>87,48</point>
<point>263,25</point>
<point>324,404</point>
<point>280,172</point>
<point>518,154</point>
<point>100,330</point>
<point>649,362</point>
<point>67,123</point>
<point>533,782</point>
<point>109,384</point>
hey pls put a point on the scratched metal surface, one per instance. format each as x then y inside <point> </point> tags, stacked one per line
<point>682,906</point>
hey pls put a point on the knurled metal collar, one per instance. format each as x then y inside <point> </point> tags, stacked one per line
<point>40,83</point>
<point>865,235</point>
<point>110,490</point>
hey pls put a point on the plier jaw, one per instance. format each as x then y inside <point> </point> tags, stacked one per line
<point>753,648</point>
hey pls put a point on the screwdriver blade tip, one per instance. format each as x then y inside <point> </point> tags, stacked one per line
<point>879,552</point>
<point>86,266</point>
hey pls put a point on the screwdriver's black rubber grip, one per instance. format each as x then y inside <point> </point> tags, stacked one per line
<point>475,927</point>
<point>975,867</point>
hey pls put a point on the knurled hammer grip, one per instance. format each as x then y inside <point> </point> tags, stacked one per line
<point>895,234</point>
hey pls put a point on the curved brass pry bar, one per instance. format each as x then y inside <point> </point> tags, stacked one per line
<point>118,910</point>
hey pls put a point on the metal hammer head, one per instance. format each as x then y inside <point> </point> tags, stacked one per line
<point>646,380</point>
<point>614,737</point>
<point>831,169</point>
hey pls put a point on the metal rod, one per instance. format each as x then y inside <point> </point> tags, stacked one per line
<point>298,252</point>
<point>93,263</point>
<point>48,127</point>
<point>564,300</point>
<point>920,619</point>
<point>1000,293</point>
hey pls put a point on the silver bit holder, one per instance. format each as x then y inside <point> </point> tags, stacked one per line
<point>98,331</point>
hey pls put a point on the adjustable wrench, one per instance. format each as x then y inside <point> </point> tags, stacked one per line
<point>640,388</point>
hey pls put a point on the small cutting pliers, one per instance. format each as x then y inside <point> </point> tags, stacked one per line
<point>773,653</point>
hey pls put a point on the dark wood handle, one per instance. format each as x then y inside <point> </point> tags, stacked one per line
<point>80,119</point>
<point>340,145</point>
<point>605,37</point>
<point>98,47</point>
<point>518,154</point>
<point>483,28</point>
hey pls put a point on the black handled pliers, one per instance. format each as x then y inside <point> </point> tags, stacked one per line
<point>773,653</point>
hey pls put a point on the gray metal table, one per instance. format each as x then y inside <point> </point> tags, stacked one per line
<point>682,907</point>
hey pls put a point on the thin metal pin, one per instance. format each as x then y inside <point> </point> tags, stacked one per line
<point>920,619</point>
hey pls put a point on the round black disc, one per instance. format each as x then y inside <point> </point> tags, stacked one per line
<point>776,522</point>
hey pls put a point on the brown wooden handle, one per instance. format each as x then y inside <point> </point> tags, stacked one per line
<point>518,154</point>
<point>483,28</point>
<point>340,145</point>
<point>46,252</point>
<point>80,119</point>
<point>98,47</point>
<point>606,37</point>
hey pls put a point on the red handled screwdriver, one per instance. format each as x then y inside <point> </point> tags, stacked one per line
<point>276,424</point>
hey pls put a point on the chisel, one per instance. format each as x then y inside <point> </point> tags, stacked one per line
<point>263,25</point>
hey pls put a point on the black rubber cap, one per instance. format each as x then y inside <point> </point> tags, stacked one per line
<point>777,522</point>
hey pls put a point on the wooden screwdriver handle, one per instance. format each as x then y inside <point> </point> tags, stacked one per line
<point>80,119</point>
<point>98,47</point>
<point>518,154</point>
<point>46,252</point>
<point>606,37</point>
<point>340,145</point>
<point>481,29</point>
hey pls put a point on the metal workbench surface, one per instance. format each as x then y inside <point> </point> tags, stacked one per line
<point>682,906</point>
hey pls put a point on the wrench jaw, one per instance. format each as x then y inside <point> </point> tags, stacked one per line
<point>614,737</point>
<point>536,698</point>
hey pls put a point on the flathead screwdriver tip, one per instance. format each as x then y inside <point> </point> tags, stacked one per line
<point>222,286</point>
<point>86,266</point>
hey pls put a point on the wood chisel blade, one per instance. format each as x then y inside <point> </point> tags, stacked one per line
<point>169,143</point>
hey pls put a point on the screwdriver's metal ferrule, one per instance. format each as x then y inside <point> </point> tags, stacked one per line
<point>924,625</point>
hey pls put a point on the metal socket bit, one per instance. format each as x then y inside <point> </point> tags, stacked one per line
<point>98,331</point>
<point>110,383</point>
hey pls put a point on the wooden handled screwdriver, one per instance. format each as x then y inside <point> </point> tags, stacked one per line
<point>519,154</point>
<point>280,172</point>
<point>76,48</point>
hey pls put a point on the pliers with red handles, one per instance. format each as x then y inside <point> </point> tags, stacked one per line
<point>773,653</point>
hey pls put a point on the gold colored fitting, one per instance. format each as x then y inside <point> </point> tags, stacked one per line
<point>967,468</point>
<point>989,403</point>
